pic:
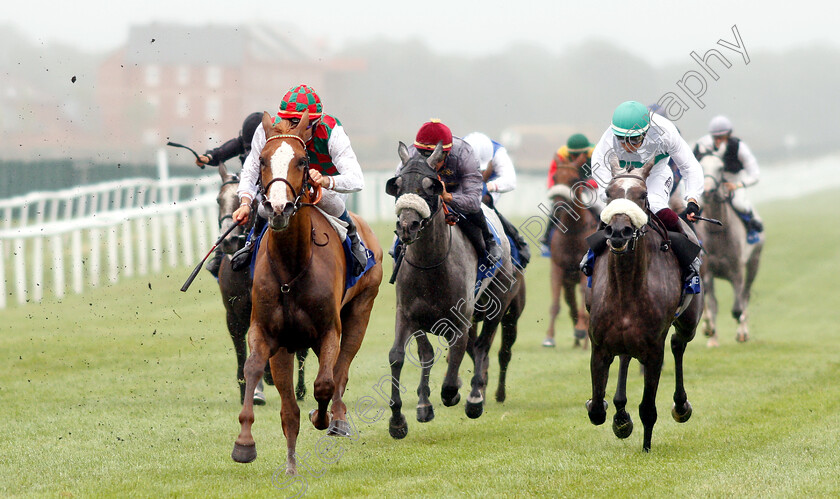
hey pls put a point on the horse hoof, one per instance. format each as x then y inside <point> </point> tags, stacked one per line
<point>425,413</point>
<point>580,334</point>
<point>712,343</point>
<point>474,411</point>
<point>244,453</point>
<point>742,337</point>
<point>398,427</point>
<point>681,418</point>
<point>300,393</point>
<point>314,420</point>
<point>259,398</point>
<point>339,428</point>
<point>596,418</point>
<point>450,396</point>
<point>501,396</point>
<point>622,427</point>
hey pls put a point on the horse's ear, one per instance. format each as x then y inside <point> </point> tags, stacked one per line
<point>402,150</point>
<point>304,122</point>
<point>223,170</point>
<point>267,123</point>
<point>615,166</point>
<point>436,155</point>
<point>432,186</point>
<point>647,167</point>
<point>392,186</point>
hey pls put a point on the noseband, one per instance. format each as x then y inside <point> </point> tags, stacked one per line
<point>306,186</point>
<point>653,221</point>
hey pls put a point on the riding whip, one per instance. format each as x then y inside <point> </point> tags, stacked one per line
<point>175,144</point>
<point>197,268</point>
<point>711,220</point>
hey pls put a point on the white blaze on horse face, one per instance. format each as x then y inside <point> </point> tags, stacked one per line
<point>280,161</point>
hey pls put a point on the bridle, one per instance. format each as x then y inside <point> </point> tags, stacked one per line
<point>653,222</point>
<point>233,180</point>
<point>304,188</point>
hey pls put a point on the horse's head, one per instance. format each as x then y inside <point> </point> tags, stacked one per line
<point>284,170</point>
<point>228,202</point>
<point>713,179</point>
<point>417,190</point>
<point>627,209</point>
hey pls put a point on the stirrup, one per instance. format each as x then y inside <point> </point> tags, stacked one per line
<point>242,258</point>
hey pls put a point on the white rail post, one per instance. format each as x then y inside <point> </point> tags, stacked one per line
<point>127,247</point>
<point>186,239</point>
<point>113,274</point>
<point>78,262</point>
<point>38,269</point>
<point>58,266</point>
<point>156,252</point>
<point>20,270</point>
<point>142,246</point>
<point>2,275</point>
<point>94,264</point>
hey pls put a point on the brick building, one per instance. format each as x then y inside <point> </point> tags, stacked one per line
<point>194,85</point>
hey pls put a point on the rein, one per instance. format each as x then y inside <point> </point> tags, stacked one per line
<point>306,186</point>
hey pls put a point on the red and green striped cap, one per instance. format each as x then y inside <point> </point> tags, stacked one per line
<point>299,99</point>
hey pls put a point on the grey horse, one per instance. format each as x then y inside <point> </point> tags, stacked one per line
<point>436,294</point>
<point>728,255</point>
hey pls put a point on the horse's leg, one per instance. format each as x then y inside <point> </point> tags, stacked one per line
<point>244,449</point>
<point>647,408</point>
<point>325,382</point>
<point>599,367</point>
<point>354,320</point>
<point>238,332</point>
<point>710,309</point>
<point>738,303</point>
<point>300,391</point>
<point>425,411</point>
<point>622,422</point>
<point>583,324</point>
<point>509,333</point>
<point>397,425</point>
<point>751,270</point>
<point>554,304</point>
<point>282,371</point>
<point>474,407</point>
<point>569,283</point>
<point>451,383</point>
<point>682,408</point>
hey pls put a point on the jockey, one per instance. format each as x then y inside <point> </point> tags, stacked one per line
<point>636,136</point>
<point>238,146</point>
<point>332,164</point>
<point>740,169</point>
<point>577,153</point>
<point>459,172</point>
<point>499,176</point>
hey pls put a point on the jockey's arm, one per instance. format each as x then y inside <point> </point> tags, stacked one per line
<point>601,172</point>
<point>467,198</point>
<point>248,177</point>
<point>350,177</point>
<point>505,180</point>
<point>690,169</point>
<point>749,175</point>
<point>230,149</point>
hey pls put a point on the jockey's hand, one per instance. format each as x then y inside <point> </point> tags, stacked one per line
<point>690,211</point>
<point>445,195</point>
<point>731,186</point>
<point>242,214</point>
<point>202,160</point>
<point>317,178</point>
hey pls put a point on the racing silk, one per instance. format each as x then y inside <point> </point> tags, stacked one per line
<point>329,152</point>
<point>562,156</point>
<point>737,157</point>
<point>461,176</point>
<point>662,142</point>
<point>503,176</point>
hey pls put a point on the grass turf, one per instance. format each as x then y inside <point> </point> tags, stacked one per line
<point>129,390</point>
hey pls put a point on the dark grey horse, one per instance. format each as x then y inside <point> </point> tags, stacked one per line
<point>435,294</point>
<point>636,289</point>
<point>235,288</point>
<point>728,255</point>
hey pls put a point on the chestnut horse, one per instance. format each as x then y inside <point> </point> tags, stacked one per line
<point>572,224</point>
<point>729,256</point>
<point>636,291</point>
<point>235,288</point>
<point>299,297</point>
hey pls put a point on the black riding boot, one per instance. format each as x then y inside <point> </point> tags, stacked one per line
<point>494,251</point>
<point>215,262</point>
<point>359,253</point>
<point>242,259</point>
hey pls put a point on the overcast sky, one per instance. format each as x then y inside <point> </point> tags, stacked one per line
<point>659,31</point>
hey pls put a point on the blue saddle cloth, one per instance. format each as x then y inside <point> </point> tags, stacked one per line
<point>690,287</point>
<point>350,279</point>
